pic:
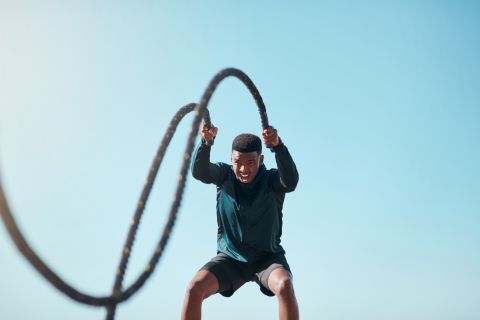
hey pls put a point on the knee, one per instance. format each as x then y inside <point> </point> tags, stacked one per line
<point>196,290</point>
<point>284,288</point>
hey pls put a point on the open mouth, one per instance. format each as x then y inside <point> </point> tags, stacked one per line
<point>244,177</point>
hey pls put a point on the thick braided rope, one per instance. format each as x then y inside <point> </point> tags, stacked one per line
<point>127,248</point>
<point>118,295</point>
<point>48,273</point>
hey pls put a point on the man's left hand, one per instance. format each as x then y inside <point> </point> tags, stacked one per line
<point>270,137</point>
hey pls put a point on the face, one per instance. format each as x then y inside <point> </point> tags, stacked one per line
<point>246,165</point>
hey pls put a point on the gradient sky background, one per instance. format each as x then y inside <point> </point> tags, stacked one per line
<point>378,102</point>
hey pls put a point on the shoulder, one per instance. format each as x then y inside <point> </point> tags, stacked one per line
<point>223,164</point>
<point>271,171</point>
<point>226,172</point>
<point>271,175</point>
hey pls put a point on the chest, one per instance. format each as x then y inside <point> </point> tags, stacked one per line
<point>250,203</point>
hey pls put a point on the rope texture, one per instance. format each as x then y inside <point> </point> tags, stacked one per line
<point>118,295</point>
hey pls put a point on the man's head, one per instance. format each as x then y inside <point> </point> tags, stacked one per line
<point>247,156</point>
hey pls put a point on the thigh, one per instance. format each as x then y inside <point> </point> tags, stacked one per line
<point>228,273</point>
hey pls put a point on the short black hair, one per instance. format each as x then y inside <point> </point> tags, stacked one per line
<point>247,142</point>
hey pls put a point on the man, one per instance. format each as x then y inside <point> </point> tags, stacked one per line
<point>249,215</point>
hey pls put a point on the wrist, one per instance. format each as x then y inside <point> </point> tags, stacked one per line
<point>277,146</point>
<point>208,142</point>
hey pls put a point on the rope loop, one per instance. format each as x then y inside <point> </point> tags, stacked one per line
<point>118,295</point>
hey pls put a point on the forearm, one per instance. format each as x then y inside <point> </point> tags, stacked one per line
<point>202,168</point>
<point>286,167</point>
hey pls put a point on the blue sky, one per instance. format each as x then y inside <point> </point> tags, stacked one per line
<point>378,102</point>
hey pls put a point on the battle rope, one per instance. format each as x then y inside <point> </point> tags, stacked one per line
<point>118,295</point>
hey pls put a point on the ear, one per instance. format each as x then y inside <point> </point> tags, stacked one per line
<point>261,159</point>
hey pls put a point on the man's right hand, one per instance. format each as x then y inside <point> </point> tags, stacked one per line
<point>208,133</point>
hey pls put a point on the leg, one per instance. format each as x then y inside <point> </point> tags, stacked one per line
<point>280,283</point>
<point>203,285</point>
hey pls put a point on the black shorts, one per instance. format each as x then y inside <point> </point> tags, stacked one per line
<point>232,274</point>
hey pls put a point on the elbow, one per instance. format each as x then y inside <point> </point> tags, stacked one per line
<point>196,172</point>
<point>291,185</point>
<point>198,175</point>
<point>291,188</point>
